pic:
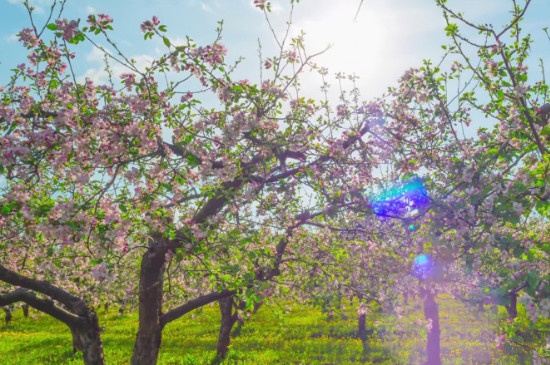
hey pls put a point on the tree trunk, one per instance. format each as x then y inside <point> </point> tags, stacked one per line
<point>148,339</point>
<point>75,312</point>
<point>362,325</point>
<point>512,308</point>
<point>362,322</point>
<point>87,338</point>
<point>7,310</point>
<point>227,322</point>
<point>431,313</point>
<point>25,310</point>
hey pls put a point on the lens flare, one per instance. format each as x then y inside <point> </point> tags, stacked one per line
<point>423,267</point>
<point>421,260</point>
<point>405,200</point>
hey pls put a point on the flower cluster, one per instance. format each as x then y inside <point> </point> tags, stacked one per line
<point>262,4</point>
<point>101,21</point>
<point>150,25</point>
<point>129,80</point>
<point>212,54</point>
<point>69,28</point>
<point>28,38</point>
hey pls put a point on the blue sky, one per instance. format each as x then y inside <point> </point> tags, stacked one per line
<point>387,37</point>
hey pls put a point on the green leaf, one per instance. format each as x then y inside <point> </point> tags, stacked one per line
<point>166,41</point>
<point>533,279</point>
<point>192,160</point>
<point>52,26</point>
<point>451,29</point>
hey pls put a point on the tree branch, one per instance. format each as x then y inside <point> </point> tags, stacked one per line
<point>73,303</point>
<point>176,313</point>
<point>44,305</point>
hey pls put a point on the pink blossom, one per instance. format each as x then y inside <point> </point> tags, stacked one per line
<point>341,110</point>
<point>129,80</point>
<point>500,341</point>
<point>103,20</point>
<point>186,97</point>
<point>429,325</point>
<point>70,29</point>
<point>261,4</point>
<point>211,54</point>
<point>518,208</point>
<point>456,66</point>
<point>522,67</point>
<point>406,76</point>
<point>492,67</point>
<point>100,271</point>
<point>149,25</point>
<point>28,38</point>
<point>292,56</point>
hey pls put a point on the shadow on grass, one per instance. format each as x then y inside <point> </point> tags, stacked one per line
<point>375,354</point>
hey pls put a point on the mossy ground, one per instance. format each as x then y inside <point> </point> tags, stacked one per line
<point>301,336</point>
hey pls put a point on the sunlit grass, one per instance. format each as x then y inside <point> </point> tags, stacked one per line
<point>302,336</point>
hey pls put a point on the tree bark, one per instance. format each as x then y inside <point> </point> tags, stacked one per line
<point>7,310</point>
<point>84,326</point>
<point>431,313</point>
<point>512,308</point>
<point>148,339</point>
<point>87,338</point>
<point>25,310</point>
<point>362,325</point>
<point>362,322</point>
<point>227,322</point>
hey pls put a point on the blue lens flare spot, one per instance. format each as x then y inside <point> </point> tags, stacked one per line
<point>404,200</point>
<point>411,227</point>
<point>421,260</point>
<point>423,267</point>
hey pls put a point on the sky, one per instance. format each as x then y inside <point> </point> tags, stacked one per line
<point>386,38</point>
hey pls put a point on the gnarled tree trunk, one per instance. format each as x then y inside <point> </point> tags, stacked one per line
<point>25,310</point>
<point>431,313</point>
<point>227,322</point>
<point>7,310</point>
<point>147,345</point>
<point>76,314</point>
<point>84,326</point>
<point>512,308</point>
<point>87,338</point>
<point>362,322</point>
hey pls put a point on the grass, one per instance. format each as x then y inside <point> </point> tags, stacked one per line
<point>302,336</point>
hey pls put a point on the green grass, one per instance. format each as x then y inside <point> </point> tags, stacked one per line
<point>302,336</point>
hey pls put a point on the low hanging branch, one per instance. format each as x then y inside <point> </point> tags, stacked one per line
<point>73,303</point>
<point>44,305</point>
